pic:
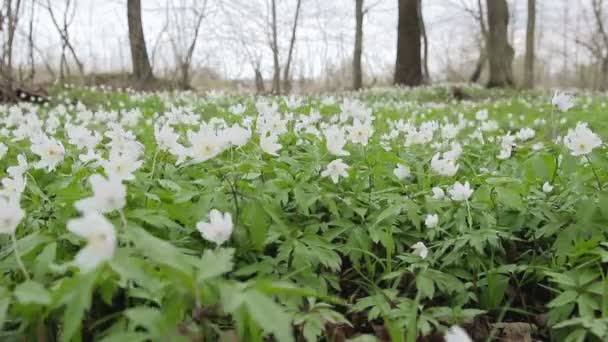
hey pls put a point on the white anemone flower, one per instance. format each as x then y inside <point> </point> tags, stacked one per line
<point>218,229</point>
<point>457,334</point>
<point>11,215</point>
<point>101,240</point>
<point>335,170</point>
<point>108,195</point>
<point>460,192</point>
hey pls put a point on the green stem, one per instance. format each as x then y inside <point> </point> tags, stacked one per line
<point>154,163</point>
<point>597,178</point>
<point>18,257</point>
<point>470,218</point>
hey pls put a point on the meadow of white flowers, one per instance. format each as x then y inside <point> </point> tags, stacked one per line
<point>380,214</point>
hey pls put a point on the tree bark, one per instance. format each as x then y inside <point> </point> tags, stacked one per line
<point>142,71</point>
<point>425,40</point>
<point>529,58</point>
<point>500,53</point>
<point>274,45</point>
<point>357,54</point>
<point>286,71</point>
<point>408,67</point>
<point>11,17</point>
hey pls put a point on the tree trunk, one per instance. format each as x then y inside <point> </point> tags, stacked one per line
<point>500,53</point>
<point>142,71</point>
<point>357,70</point>
<point>286,75</point>
<point>425,40</point>
<point>483,57</point>
<point>259,81</point>
<point>529,59</point>
<point>408,68</point>
<point>276,77</point>
<point>12,18</point>
<point>604,77</point>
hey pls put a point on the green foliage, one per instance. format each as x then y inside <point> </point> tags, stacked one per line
<point>310,259</point>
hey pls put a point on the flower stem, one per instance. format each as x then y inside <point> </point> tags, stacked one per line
<point>597,178</point>
<point>154,163</point>
<point>553,125</point>
<point>18,257</point>
<point>470,218</point>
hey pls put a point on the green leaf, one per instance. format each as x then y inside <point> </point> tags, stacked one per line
<point>258,222</point>
<point>387,213</point>
<point>509,198</point>
<point>563,299</point>
<point>147,317</point>
<point>160,251</point>
<point>78,301</point>
<point>5,300</point>
<point>425,286</point>
<point>214,263</point>
<point>32,292</point>
<point>269,315</point>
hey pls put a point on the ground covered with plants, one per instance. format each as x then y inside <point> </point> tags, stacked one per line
<point>392,215</point>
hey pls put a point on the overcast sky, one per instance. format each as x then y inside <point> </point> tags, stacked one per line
<point>235,32</point>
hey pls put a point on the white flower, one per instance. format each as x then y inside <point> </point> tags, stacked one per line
<point>481,115</point>
<point>335,170</point>
<point>108,195</point>
<point>166,137</point>
<point>460,192</point>
<point>562,101</point>
<point>218,229</point>
<point>431,220</point>
<point>547,187</point>
<point>443,166</point>
<point>359,132</point>
<point>100,236</point>
<point>20,168</point>
<point>50,151</point>
<point>13,187</point>
<point>336,139</point>
<point>205,144</point>
<point>270,145</point>
<point>3,150</point>
<point>438,193</point>
<point>457,334</point>
<point>121,166</point>
<point>581,140</point>
<point>525,134</point>
<point>538,146</point>
<point>401,171</point>
<point>507,142</point>
<point>11,215</point>
<point>420,250</point>
<point>236,135</point>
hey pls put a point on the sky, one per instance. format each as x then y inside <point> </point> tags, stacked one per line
<point>235,32</point>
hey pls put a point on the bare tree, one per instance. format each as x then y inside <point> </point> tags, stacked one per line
<point>292,41</point>
<point>9,15</point>
<point>30,44</point>
<point>597,43</point>
<point>69,12</point>
<point>598,6</point>
<point>529,58</point>
<point>182,43</point>
<point>425,40</point>
<point>408,68</point>
<point>142,71</point>
<point>274,46</point>
<point>500,53</point>
<point>357,71</point>
<point>479,17</point>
